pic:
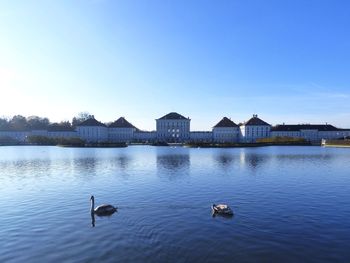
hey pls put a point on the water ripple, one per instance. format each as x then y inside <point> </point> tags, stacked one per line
<point>290,204</point>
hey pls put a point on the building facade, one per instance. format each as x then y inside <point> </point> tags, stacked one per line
<point>226,131</point>
<point>145,136</point>
<point>20,136</point>
<point>201,136</point>
<point>173,127</point>
<point>254,129</point>
<point>56,131</point>
<point>92,131</point>
<point>121,131</point>
<point>309,132</point>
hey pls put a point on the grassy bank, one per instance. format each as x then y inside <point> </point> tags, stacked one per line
<point>337,143</point>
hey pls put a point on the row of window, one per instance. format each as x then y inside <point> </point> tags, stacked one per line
<point>258,134</point>
<point>173,130</point>
<point>175,125</point>
<point>116,136</point>
<point>261,129</point>
<point>225,135</point>
<point>311,135</point>
<point>170,135</point>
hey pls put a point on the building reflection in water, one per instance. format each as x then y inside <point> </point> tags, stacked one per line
<point>173,161</point>
<point>176,165</point>
<point>121,165</point>
<point>122,161</point>
<point>225,160</point>
<point>27,168</point>
<point>252,160</point>
<point>304,157</point>
<point>85,167</point>
<point>255,160</point>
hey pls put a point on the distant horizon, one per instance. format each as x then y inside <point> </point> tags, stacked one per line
<point>287,61</point>
<point>192,128</point>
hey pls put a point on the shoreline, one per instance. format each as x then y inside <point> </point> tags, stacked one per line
<point>197,145</point>
<point>336,143</point>
<point>337,146</point>
<point>246,145</point>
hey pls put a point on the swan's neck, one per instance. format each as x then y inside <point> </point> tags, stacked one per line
<point>92,205</point>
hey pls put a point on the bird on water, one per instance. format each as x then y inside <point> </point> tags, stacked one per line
<point>101,210</point>
<point>222,209</point>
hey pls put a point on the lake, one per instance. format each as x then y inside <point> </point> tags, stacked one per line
<point>291,204</point>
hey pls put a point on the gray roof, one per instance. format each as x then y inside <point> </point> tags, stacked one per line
<point>173,116</point>
<point>225,122</point>
<point>255,121</point>
<point>298,127</point>
<point>121,123</point>
<point>92,122</point>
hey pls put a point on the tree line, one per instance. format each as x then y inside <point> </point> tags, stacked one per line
<point>21,123</point>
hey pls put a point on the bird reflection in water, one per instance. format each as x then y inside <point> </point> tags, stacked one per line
<point>93,219</point>
<point>226,216</point>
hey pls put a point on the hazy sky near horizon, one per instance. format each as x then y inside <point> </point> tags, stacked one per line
<point>288,61</point>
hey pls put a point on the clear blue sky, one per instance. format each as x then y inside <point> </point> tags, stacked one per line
<point>288,61</point>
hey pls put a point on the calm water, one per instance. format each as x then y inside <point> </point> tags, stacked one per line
<point>291,204</point>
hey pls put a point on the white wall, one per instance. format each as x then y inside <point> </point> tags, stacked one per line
<point>120,134</point>
<point>62,134</point>
<point>173,130</point>
<point>312,135</point>
<point>93,133</point>
<point>17,135</point>
<point>145,136</point>
<point>201,136</point>
<point>39,133</point>
<point>250,133</point>
<point>226,134</point>
<point>292,134</point>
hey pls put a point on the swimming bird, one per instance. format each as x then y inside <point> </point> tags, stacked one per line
<point>222,209</point>
<point>101,210</point>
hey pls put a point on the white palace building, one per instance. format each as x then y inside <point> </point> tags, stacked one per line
<point>175,128</point>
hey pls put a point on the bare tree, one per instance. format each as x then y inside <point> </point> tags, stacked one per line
<point>82,116</point>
